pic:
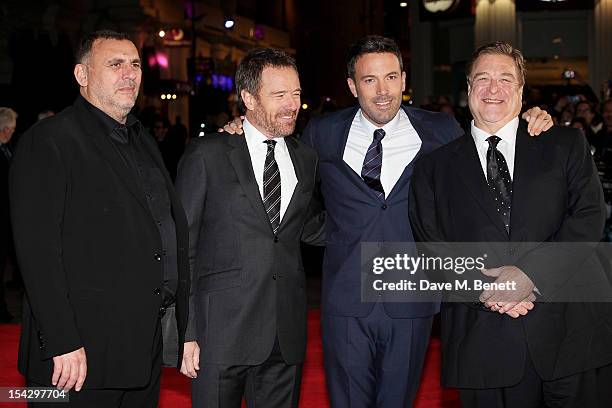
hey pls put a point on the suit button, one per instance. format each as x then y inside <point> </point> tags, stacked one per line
<point>162,311</point>
<point>274,276</point>
<point>384,206</point>
<point>156,291</point>
<point>275,239</point>
<point>157,257</point>
<point>159,223</point>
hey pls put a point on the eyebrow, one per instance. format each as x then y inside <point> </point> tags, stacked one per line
<point>503,74</point>
<point>374,76</point>
<point>282,92</point>
<point>122,60</point>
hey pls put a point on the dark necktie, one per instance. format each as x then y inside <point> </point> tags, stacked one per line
<point>372,164</point>
<point>272,186</point>
<point>498,178</point>
<point>6,151</point>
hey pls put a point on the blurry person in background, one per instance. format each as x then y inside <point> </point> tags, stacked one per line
<point>101,239</point>
<point>45,114</point>
<point>8,122</point>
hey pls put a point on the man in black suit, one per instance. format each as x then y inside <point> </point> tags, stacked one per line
<point>101,239</point>
<point>8,122</point>
<point>249,202</point>
<point>496,184</point>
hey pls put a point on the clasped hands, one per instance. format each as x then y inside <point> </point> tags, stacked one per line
<point>514,302</point>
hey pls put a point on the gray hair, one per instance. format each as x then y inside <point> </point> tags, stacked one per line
<point>8,117</point>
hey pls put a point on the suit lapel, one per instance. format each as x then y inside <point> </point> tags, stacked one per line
<point>300,173</point>
<point>427,145</point>
<point>472,176</point>
<point>528,156</point>
<point>241,161</point>
<point>110,153</point>
<point>343,128</point>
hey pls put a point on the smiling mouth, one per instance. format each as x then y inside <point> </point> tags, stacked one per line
<point>383,104</point>
<point>493,101</point>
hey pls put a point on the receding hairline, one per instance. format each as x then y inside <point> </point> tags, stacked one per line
<point>97,42</point>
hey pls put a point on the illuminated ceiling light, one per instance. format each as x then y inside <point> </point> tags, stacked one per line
<point>162,33</point>
<point>168,96</point>
<point>202,125</point>
<point>229,23</point>
<point>404,4</point>
<point>304,106</point>
<point>173,96</point>
<point>163,96</point>
<point>201,134</point>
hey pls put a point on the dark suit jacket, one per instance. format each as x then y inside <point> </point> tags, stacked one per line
<point>4,206</point>
<point>557,197</point>
<point>248,285</point>
<point>355,214</point>
<point>89,249</point>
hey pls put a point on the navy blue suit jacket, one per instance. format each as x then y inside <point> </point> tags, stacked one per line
<point>355,214</point>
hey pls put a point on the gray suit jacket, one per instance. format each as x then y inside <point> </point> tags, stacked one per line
<point>248,283</point>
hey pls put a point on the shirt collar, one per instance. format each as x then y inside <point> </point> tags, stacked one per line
<point>256,139</point>
<point>389,127</point>
<point>506,133</point>
<point>108,123</point>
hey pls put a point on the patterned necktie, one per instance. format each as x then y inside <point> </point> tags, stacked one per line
<point>372,164</point>
<point>272,186</point>
<point>498,178</point>
<point>6,151</point>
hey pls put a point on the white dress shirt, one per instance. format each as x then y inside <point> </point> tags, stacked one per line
<point>258,149</point>
<point>400,146</point>
<point>507,144</point>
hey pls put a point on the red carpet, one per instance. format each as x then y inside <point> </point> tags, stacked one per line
<point>175,387</point>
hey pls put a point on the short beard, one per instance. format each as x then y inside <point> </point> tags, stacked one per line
<point>273,128</point>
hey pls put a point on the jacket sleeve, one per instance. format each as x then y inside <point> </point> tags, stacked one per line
<point>191,189</point>
<point>38,187</point>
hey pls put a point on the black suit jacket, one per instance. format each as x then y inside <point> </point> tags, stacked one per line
<point>4,205</point>
<point>557,197</point>
<point>89,252</point>
<point>248,285</point>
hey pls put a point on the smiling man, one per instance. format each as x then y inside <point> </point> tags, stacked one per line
<point>249,202</point>
<point>101,239</point>
<point>496,184</point>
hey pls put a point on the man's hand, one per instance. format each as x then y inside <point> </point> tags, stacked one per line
<point>70,370</point>
<point>191,359</point>
<point>233,127</point>
<point>513,294</point>
<point>520,309</point>
<point>538,121</point>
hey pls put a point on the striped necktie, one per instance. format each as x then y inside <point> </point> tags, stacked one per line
<point>272,187</point>
<point>498,178</point>
<point>372,164</point>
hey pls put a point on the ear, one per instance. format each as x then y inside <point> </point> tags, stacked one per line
<point>248,99</point>
<point>352,86</point>
<point>469,88</point>
<point>403,81</point>
<point>80,73</point>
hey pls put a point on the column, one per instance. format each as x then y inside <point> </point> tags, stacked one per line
<point>421,56</point>
<point>495,21</point>
<point>600,55</point>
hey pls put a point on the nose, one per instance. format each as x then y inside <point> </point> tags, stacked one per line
<point>292,103</point>
<point>493,86</point>
<point>129,71</point>
<point>382,88</point>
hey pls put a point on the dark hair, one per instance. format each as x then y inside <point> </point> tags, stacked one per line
<point>88,40</point>
<point>499,48</point>
<point>248,73</point>
<point>368,45</point>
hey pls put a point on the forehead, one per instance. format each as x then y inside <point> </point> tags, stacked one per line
<point>279,78</point>
<point>376,62</point>
<point>109,48</point>
<point>489,63</point>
